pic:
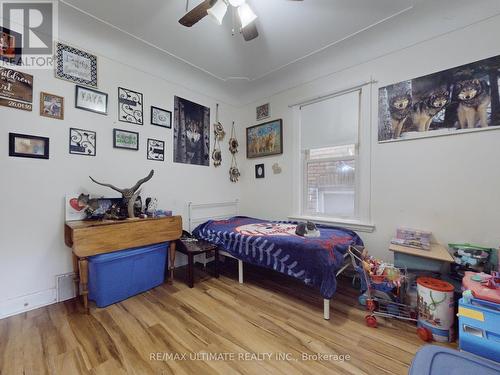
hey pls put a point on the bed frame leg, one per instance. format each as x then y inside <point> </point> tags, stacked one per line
<point>326,309</point>
<point>240,271</point>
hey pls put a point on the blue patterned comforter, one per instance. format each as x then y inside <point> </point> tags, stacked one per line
<point>275,245</point>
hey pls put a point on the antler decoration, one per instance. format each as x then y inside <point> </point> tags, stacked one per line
<point>128,194</point>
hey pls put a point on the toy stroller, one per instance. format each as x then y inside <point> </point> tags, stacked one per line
<point>384,288</point>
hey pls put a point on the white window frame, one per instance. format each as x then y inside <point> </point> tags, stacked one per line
<point>362,221</point>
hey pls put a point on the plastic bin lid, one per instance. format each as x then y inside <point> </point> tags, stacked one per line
<point>101,258</point>
<point>435,284</point>
<point>438,360</point>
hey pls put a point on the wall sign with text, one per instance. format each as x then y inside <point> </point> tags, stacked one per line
<point>16,89</point>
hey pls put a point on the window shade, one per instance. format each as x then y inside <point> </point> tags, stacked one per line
<point>331,122</point>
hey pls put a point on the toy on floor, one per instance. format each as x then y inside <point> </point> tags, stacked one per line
<point>482,286</point>
<point>438,360</point>
<point>383,286</point>
<point>472,258</point>
<point>479,315</point>
<point>436,310</point>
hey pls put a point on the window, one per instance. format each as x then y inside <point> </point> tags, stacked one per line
<point>329,144</point>
<point>330,175</point>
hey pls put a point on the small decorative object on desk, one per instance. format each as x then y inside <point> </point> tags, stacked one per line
<point>417,239</point>
<point>129,195</point>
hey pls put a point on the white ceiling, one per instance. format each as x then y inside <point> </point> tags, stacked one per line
<point>289,30</point>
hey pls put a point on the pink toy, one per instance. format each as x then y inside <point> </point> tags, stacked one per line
<point>482,285</point>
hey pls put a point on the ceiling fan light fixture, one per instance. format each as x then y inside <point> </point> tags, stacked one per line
<point>218,11</point>
<point>246,14</point>
<point>237,3</point>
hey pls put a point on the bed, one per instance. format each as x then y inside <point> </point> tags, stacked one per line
<point>274,245</point>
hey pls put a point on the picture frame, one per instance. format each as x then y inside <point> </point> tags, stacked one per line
<point>130,106</point>
<point>91,100</point>
<point>265,139</point>
<point>191,132</point>
<point>263,111</point>
<point>75,65</point>
<point>28,146</point>
<point>125,139</point>
<point>260,171</point>
<point>161,117</point>
<point>16,89</point>
<point>11,44</point>
<point>156,150</point>
<point>459,100</point>
<point>51,106</point>
<point>82,142</point>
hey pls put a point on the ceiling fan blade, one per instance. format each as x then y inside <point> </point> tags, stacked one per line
<point>197,13</point>
<point>250,31</point>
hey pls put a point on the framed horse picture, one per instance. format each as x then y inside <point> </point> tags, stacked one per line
<point>265,139</point>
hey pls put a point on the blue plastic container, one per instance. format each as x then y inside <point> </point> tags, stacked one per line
<point>437,360</point>
<point>119,275</point>
<point>479,327</point>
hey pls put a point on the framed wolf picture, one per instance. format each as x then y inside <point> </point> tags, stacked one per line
<point>191,132</point>
<point>454,101</point>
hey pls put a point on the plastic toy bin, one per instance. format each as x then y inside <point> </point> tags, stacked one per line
<point>479,327</point>
<point>119,275</point>
<point>437,360</point>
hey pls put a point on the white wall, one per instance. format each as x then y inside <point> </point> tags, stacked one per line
<point>448,185</point>
<point>32,249</point>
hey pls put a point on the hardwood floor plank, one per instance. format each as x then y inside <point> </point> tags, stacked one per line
<point>268,315</point>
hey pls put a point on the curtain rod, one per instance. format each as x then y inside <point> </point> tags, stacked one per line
<point>331,95</point>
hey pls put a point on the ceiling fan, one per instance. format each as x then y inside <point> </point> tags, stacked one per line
<point>217,9</point>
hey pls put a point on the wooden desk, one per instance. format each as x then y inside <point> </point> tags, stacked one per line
<point>87,238</point>
<point>436,252</point>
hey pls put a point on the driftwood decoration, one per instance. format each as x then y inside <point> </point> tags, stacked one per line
<point>129,195</point>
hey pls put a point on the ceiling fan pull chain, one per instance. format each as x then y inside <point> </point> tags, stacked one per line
<point>187,6</point>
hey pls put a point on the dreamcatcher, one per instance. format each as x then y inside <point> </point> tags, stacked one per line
<point>219,136</point>
<point>234,172</point>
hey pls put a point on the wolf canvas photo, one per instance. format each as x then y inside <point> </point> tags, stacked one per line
<point>453,101</point>
<point>191,132</point>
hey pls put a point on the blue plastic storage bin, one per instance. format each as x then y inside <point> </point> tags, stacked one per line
<point>479,327</point>
<point>437,360</point>
<point>119,275</point>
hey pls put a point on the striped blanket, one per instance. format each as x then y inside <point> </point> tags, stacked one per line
<point>275,245</point>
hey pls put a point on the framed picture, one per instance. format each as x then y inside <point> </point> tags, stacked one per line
<point>11,44</point>
<point>51,106</point>
<point>125,139</point>
<point>156,150</point>
<point>263,111</point>
<point>28,146</point>
<point>191,132</point>
<point>91,100</point>
<point>454,101</point>
<point>259,171</point>
<point>130,106</point>
<point>75,65</point>
<point>265,139</point>
<point>82,142</point>
<point>16,89</point>
<point>161,117</point>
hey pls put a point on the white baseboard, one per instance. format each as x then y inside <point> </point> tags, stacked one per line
<point>29,302</point>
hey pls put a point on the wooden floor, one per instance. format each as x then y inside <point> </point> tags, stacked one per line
<point>270,313</point>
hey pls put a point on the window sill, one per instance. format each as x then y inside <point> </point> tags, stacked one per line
<point>354,225</point>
